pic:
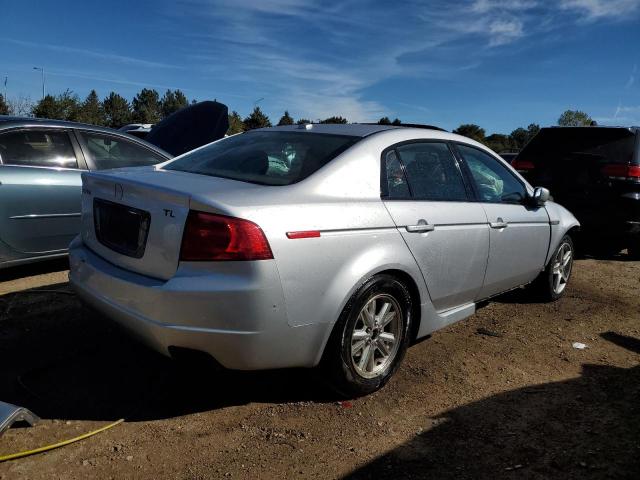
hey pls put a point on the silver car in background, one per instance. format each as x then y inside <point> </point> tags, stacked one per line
<point>330,245</point>
<point>41,161</point>
<point>40,184</point>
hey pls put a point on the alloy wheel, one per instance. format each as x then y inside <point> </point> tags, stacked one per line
<point>562,264</point>
<point>376,336</point>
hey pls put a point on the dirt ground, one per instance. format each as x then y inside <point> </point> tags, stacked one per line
<point>521,404</point>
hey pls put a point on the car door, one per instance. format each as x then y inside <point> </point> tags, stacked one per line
<point>429,201</point>
<point>40,189</point>
<point>103,151</point>
<point>519,231</point>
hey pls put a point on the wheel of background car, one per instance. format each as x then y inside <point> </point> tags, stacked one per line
<point>371,337</point>
<point>552,282</point>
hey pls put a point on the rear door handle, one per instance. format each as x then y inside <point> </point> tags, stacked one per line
<point>421,227</point>
<point>499,223</point>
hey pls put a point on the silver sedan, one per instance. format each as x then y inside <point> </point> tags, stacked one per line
<point>315,245</point>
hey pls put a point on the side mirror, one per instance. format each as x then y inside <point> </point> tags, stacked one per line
<point>540,196</point>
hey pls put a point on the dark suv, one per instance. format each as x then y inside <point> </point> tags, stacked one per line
<point>595,173</point>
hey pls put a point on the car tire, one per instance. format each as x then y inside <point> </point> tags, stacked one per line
<point>552,282</point>
<point>360,356</point>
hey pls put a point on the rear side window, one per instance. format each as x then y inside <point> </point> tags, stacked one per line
<point>397,185</point>
<point>37,148</point>
<point>265,157</point>
<point>495,183</point>
<point>431,172</point>
<point>105,151</point>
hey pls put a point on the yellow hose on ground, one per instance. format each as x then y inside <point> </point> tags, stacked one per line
<point>59,444</point>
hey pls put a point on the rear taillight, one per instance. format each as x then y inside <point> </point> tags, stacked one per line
<point>522,166</point>
<point>620,171</point>
<point>210,237</point>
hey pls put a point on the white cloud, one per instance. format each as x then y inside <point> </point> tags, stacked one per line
<point>623,115</point>
<point>632,77</point>
<point>342,51</point>
<point>505,31</point>
<point>592,10</point>
<point>110,57</point>
<point>484,6</point>
<point>275,7</point>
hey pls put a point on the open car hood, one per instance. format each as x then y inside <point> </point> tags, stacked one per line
<point>190,127</point>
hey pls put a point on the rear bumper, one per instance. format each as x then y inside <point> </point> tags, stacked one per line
<point>238,316</point>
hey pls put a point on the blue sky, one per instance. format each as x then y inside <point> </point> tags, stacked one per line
<point>498,63</point>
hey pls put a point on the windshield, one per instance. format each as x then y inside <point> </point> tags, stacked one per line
<point>265,157</point>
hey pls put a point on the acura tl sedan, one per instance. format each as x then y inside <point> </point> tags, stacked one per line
<point>315,245</point>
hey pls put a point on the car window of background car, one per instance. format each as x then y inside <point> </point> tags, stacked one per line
<point>267,158</point>
<point>583,145</point>
<point>494,182</point>
<point>112,152</point>
<point>37,148</point>
<point>432,172</point>
<point>397,187</point>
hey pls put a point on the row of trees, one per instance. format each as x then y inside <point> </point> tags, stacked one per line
<point>517,139</point>
<point>258,119</point>
<point>113,111</point>
<point>498,142</point>
<point>148,107</point>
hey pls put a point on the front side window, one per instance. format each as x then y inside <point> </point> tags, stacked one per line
<point>493,180</point>
<point>37,148</point>
<point>432,172</point>
<point>265,157</point>
<point>105,151</point>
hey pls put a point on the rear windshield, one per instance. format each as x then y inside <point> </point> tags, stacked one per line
<point>265,157</point>
<point>600,145</point>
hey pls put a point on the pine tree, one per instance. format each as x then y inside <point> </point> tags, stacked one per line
<point>146,107</point>
<point>334,120</point>
<point>91,111</point>
<point>257,119</point>
<point>65,106</point>
<point>117,110</point>
<point>235,124</point>
<point>172,101</point>
<point>285,119</point>
<point>4,106</point>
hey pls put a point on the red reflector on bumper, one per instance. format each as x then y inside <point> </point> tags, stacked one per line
<point>305,234</point>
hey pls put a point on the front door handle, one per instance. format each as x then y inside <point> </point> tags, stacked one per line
<point>421,227</point>
<point>499,223</point>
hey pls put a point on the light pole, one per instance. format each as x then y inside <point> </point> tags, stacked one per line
<point>41,70</point>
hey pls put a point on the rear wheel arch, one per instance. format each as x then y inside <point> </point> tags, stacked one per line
<point>406,279</point>
<point>412,286</point>
<point>337,359</point>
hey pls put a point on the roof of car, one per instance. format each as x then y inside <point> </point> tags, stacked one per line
<point>7,121</point>
<point>352,129</point>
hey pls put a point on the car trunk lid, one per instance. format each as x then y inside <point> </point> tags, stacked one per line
<point>135,218</point>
